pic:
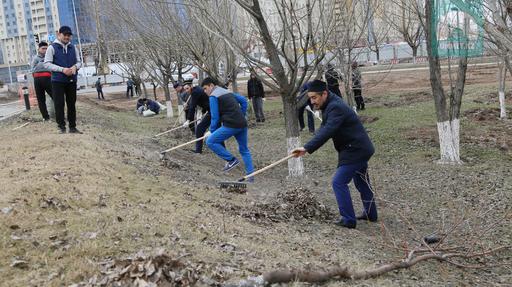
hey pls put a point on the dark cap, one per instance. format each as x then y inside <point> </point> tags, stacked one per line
<point>177,84</point>
<point>42,44</point>
<point>317,86</point>
<point>66,30</point>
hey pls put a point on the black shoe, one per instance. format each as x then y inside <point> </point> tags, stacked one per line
<point>74,131</point>
<point>364,216</point>
<point>263,120</point>
<point>342,223</point>
<point>62,130</point>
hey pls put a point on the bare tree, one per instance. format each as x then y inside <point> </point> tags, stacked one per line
<point>447,104</point>
<point>402,17</point>
<point>298,28</point>
<point>498,28</point>
<point>350,26</point>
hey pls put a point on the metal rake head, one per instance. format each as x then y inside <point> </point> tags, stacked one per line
<point>233,186</point>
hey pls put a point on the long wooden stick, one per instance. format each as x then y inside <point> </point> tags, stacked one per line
<point>182,145</point>
<point>177,128</point>
<point>266,168</point>
<point>23,125</point>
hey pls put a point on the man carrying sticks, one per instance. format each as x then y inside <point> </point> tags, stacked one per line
<point>341,124</point>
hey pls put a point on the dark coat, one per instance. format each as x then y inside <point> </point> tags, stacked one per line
<point>341,124</point>
<point>255,88</point>
<point>198,98</point>
<point>332,78</point>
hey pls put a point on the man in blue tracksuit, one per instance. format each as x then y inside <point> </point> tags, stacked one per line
<point>227,111</point>
<point>63,60</point>
<point>341,124</point>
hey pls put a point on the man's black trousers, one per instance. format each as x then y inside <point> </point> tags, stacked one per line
<point>43,85</point>
<point>64,94</point>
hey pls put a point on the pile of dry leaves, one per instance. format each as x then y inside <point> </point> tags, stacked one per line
<point>292,204</point>
<point>149,271</point>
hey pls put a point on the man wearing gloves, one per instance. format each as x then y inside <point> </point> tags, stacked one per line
<point>341,124</point>
<point>198,98</point>
<point>227,120</point>
<point>63,60</point>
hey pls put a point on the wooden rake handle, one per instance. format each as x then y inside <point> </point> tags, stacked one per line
<point>176,128</point>
<point>182,145</point>
<point>266,168</point>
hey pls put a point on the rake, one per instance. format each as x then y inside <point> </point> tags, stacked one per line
<point>177,128</point>
<point>182,145</point>
<point>241,185</point>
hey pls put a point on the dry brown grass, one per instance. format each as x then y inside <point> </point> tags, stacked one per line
<point>79,199</point>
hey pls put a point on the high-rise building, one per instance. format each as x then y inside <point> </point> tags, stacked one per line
<point>25,22</point>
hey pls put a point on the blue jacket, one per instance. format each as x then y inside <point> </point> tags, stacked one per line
<point>228,109</point>
<point>153,106</point>
<point>341,124</point>
<point>65,57</point>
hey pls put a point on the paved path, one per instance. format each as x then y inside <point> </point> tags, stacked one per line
<point>10,109</point>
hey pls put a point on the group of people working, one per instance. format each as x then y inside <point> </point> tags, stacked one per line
<point>224,116</point>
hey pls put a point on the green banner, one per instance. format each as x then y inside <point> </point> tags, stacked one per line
<point>457,25</point>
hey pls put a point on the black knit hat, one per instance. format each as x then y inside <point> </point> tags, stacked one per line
<point>317,86</point>
<point>42,44</point>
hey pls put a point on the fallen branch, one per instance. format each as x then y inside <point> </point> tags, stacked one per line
<point>344,272</point>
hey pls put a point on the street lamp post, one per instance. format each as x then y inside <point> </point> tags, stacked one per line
<point>9,67</point>
<point>79,40</point>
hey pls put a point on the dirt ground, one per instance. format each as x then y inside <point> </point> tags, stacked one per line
<point>76,209</point>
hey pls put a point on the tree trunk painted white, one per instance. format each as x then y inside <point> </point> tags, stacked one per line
<point>181,114</point>
<point>501,91</point>
<point>449,141</point>
<point>170,112</point>
<point>503,108</point>
<point>295,165</point>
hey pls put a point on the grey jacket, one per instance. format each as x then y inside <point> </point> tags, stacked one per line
<point>50,52</point>
<point>37,64</point>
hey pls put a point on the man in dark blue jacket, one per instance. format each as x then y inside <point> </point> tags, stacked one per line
<point>227,111</point>
<point>63,60</point>
<point>198,98</point>
<point>354,147</point>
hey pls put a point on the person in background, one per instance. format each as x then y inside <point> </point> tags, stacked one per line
<point>256,93</point>
<point>147,107</point>
<point>357,86</point>
<point>129,88</point>
<point>63,59</point>
<point>99,89</point>
<point>42,80</point>
<point>303,102</point>
<point>333,80</point>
